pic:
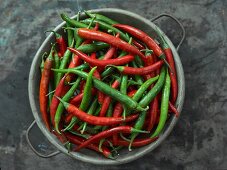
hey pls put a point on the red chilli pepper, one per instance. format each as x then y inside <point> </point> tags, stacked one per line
<point>61,43</point>
<point>106,134</point>
<point>43,90</point>
<point>152,113</point>
<point>94,120</point>
<point>78,141</point>
<point>112,40</point>
<point>173,74</point>
<point>173,109</point>
<point>142,36</point>
<point>107,100</point>
<point>102,63</point>
<point>140,71</point>
<point>96,28</point>
<point>55,101</point>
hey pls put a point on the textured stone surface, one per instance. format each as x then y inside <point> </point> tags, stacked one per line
<point>199,139</point>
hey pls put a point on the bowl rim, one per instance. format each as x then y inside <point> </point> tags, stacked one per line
<point>90,159</point>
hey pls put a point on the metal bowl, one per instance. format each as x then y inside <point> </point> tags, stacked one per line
<point>125,156</point>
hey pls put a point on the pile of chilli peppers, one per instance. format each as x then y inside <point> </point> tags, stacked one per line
<point>107,85</point>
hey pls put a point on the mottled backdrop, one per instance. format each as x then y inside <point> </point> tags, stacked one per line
<point>199,139</point>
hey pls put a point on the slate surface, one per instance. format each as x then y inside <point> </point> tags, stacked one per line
<point>199,139</point>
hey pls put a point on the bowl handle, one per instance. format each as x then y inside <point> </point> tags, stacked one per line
<point>31,146</point>
<point>177,21</point>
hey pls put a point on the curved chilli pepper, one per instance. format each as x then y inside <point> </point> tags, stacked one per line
<point>43,88</point>
<point>104,121</point>
<point>60,108</point>
<point>143,37</point>
<point>139,71</point>
<point>64,62</point>
<point>102,63</point>
<point>174,109</point>
<point>164,106</point>
<point>169,57</point>
<point>78,141</point>
<point>101,18</point>
<point>55,101</point>
<point>73,22</point>
<point>105,88</point>
<point>96,28</point>
<point>173,74</point>
<point>112,40</point>
<point>145,101</point>
<point>86,98</point>
<point>107,99</point>
<point>153,114</point>
<point>136,142</point>
<point>61,43</point>
<point>107,27</point>
<point>87,91</point>
<point>108,133</point>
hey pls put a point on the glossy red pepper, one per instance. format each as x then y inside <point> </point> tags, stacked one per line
<point>140,71</point>
<point>93,120</point>
<point>112,40</point>
<point>102,63</point>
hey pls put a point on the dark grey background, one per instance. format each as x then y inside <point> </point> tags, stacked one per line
<point>199,139</point>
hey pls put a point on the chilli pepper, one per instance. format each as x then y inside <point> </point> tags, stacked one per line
<point>102,63</point>
<point>153,114</point>
<point>101,18</point>
<point>43,88</point>
<point>107,28</point>
<point>164,107</point>
<point>108,133</point>
<point>104,121</point>
<point>112,40</point>
<point>61,43</point>
<point>139,71</point>
<point>95,46</point>
<point>73,22</point>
